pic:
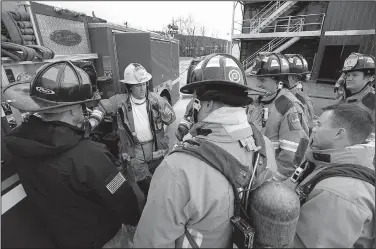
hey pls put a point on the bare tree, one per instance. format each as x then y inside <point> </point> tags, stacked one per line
<point>203,30</point>
<point>193,34</point>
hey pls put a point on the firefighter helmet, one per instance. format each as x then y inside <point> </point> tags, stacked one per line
<point>135,74</point>
<point>270,64</point>
<point>219,77</point>
<point>55,85</point>
<point>298,65</point>
<point>89,68</point>
<point>192,66</point>
<point>359,62</point>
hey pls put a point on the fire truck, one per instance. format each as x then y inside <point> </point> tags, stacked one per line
<point>34,34</point>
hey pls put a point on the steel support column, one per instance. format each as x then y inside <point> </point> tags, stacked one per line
<point>232,24</point>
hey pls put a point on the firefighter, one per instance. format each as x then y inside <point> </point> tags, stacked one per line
<point>140,118</point>
<point>186,122</point>
<point>359,70</point>
<point>299,71</point>
<point>278,114</point>
<point>187,192</point>
<point>338,212</point>
<point>78,192</point>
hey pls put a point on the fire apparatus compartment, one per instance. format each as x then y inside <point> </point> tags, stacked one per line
<point>117,46</point>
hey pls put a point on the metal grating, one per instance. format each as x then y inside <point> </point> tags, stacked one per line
<point>49,24</point>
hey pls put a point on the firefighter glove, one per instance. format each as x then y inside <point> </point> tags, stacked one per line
<point>183,129</point>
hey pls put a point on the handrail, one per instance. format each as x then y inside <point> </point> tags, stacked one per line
<point>271,9</point>
<point>272,44</point>
<point>261,15</point>
<point>262,10</point>
<point>297,27</point>
<point>286,17</point>
<point>291,19</point>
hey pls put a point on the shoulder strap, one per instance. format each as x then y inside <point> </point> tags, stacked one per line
<point>121,114</point>
<point>130,116</point>
<point>238,175</point>
<point>140,196</point>
<point>259,139</point>
<point>344,170</point>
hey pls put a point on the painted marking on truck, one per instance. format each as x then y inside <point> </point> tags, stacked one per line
<point>9,182</point>
<point>11,198</point>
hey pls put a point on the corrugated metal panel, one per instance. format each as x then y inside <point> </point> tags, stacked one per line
<point>366,42</point>
<point>355,15</point>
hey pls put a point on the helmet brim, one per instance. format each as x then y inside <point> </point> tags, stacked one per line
<point>360,70</point>
<point>303,73</point>
<point>19,94</point>
<point>270,75</point>
<point>189,88</point>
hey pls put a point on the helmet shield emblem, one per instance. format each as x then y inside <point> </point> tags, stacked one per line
<point>234,76</point>
<point>350,62</point>
<point>140,73</point>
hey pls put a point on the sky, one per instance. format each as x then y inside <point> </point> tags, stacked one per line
<point>216,16</point>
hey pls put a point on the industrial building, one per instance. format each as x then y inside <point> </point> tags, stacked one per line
<point>324,32</point>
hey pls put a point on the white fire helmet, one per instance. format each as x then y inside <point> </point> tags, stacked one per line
<point>135,74</point>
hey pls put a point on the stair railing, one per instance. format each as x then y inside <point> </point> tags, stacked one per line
<point>269,47</point>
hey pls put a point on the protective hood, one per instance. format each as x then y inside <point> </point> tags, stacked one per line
<point>360,154</point>
<point>37,138</point>
<point>228,124</point>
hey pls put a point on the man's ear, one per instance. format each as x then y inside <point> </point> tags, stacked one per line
<point>370,78</point>
<point>341,133</point>
<point>210,104</point>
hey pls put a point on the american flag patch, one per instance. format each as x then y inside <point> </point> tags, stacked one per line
<point>115,183</point>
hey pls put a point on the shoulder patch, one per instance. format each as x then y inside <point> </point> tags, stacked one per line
<point>293,121</point>
<point>369,101</point>
<point>283,104</point>
<point>321,157</point>
<point>115,183</point>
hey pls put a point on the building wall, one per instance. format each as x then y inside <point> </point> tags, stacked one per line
<point>250,47</point>
<point>300,8</point>
<point>339,15</point>
<point>200,45</point>
<point>343,15</point>
<point>305,46</point>
<point>366,45</point>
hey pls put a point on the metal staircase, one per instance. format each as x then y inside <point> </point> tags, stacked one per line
<point>269,14</point>
<point>276,45</point>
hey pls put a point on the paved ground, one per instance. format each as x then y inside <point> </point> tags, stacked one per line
<point>320,94</point>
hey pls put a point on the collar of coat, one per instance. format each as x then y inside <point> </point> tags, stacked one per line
<point>358,95</point>
<point>229,124</point>
<point>360,154</point>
